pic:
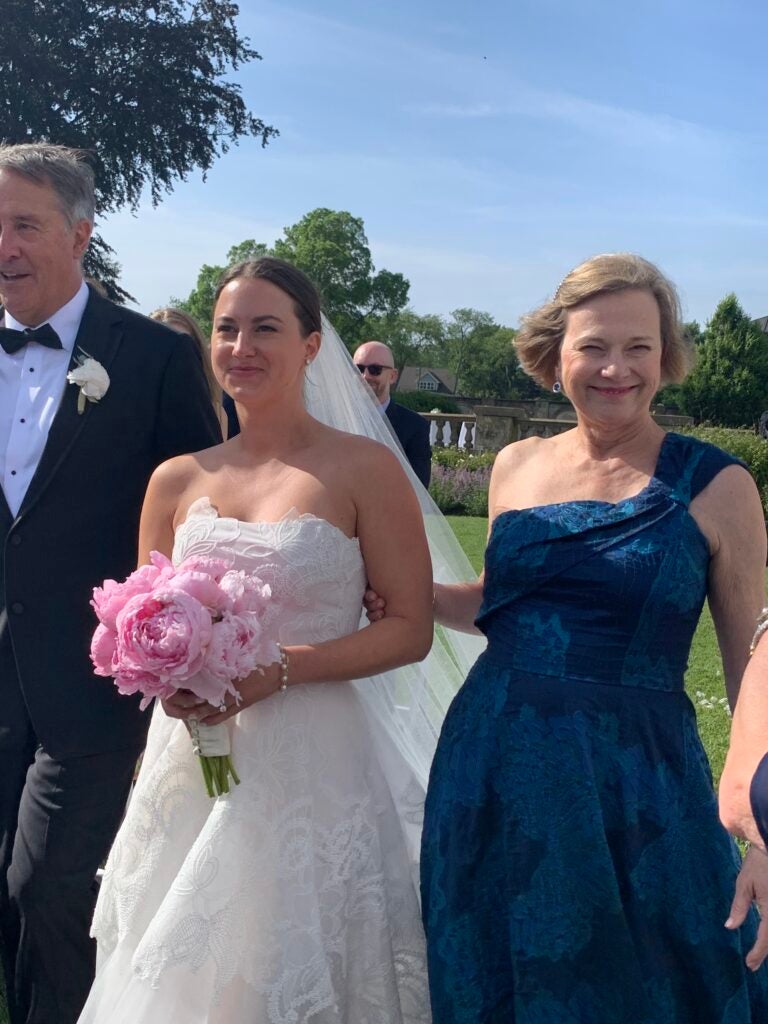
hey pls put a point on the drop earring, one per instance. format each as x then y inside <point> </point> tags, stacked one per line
<point>557,387</point>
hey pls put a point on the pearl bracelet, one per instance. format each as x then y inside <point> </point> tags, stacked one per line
<point>762,626</point>
<point>283,668</point>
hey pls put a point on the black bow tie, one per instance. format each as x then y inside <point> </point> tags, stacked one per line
<point>12,340</point>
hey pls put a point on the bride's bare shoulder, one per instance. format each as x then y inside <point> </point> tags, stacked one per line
<point>178,476</point>
<point>358,451</point>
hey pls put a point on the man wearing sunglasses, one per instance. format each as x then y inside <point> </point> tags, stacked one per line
<point>374,360</point>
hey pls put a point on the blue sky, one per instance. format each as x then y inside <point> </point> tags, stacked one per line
<point>490,146</point>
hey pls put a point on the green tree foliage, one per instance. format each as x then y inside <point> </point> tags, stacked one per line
<point>729,384</point>
<point>694,332</point>
<point>493,370</point>
<point>331,247</point>
<point>413,338</point>
<point>199,302</point>
<point>466,333</point>
<point>144,86</point>
<point>469,343</point>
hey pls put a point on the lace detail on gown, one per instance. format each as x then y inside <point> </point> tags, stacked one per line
<point>292,899</point>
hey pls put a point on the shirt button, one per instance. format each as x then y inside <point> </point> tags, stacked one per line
<point>22,420</point>
<point>31,369</point>
<point>15,540</point>
<point>13,472</point>
<point>17,608</point>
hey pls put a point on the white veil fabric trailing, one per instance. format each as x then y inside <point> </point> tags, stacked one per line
<point>408,703</point>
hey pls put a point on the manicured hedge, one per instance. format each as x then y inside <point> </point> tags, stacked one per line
<point>457,458</point>
<point>425,401</point>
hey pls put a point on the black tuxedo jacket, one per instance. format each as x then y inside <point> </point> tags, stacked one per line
<point>78,525</point>
<point>412,432</point>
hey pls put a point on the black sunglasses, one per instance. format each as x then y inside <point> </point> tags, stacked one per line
<point>373,368</point>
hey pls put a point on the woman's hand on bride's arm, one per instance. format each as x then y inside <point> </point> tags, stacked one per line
<point>454,605</point>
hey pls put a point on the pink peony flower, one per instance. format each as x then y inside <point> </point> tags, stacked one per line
<point>111,597</point>
<point>203,588</point>
<point>237,648</point>
<point>247,593</point>
<point>164,634</point>
<point>130,681</point>
<point>209,687</point>
<point>215,567</point>
<point>103,650</point>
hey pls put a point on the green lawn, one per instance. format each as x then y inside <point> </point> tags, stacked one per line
<point>705,671</point>
<point>471,533</point>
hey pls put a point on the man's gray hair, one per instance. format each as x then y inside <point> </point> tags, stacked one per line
<point>65,170</point>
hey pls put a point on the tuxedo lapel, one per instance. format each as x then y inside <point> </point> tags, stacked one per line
<point>99,336</point>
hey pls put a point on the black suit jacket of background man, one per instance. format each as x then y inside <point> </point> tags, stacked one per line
<point>78,524</point>
<point>412,432</point>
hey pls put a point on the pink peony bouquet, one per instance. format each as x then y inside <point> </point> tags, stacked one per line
<point>197,626</point>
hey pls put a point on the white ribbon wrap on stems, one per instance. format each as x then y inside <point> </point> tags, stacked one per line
<point>210,740</point>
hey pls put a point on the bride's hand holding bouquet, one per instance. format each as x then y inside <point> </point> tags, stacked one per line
<point>263,682</point>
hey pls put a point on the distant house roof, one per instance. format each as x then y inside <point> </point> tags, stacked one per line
<point>762,323</point>
<point>427,378</point>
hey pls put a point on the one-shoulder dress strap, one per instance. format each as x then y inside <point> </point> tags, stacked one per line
<point>689,465</point>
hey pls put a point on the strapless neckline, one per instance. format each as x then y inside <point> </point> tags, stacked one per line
<point>203,508</point>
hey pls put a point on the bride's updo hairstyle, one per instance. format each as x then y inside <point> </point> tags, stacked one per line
<point>286,277</point>
<point>541,333</point>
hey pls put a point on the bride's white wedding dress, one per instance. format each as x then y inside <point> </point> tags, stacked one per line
<point>293,900</point>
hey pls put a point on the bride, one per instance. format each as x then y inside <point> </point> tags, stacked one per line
<point>294,898</point>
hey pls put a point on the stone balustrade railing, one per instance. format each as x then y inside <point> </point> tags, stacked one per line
<point>491,427</point>
<point>451,430</point>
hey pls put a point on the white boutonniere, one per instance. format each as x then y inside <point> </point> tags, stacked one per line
<point>91,378</point>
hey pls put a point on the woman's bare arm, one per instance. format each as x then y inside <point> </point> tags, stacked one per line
<point>731,515</point>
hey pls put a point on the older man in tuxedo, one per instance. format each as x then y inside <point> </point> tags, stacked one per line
<point>374,360</point>
<point>74,463</point>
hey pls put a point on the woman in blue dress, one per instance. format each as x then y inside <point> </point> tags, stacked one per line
<point>574,870</point>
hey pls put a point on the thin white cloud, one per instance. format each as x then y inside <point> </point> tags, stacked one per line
<point>470,111</point>
<point>632,128</point>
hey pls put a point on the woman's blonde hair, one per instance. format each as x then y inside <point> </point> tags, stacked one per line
<point>541,334</point>
<point>186,324</point>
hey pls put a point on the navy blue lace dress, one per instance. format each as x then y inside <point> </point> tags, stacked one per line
<point>574,870</point>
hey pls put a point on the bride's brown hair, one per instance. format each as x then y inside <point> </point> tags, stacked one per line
<point>286,277</point>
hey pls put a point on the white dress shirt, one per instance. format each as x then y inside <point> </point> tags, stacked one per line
<point>32,383</point>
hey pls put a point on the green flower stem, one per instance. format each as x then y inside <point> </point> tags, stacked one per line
<point>217,771</point>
